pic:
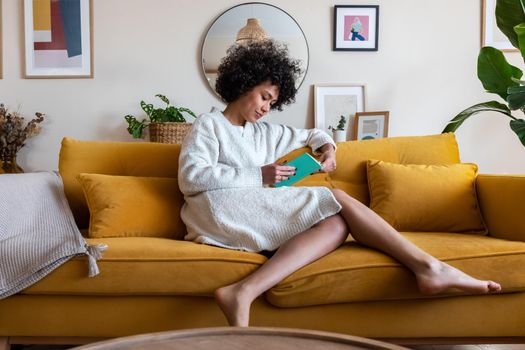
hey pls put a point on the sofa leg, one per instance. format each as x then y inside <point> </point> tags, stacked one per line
<point>4,343</point>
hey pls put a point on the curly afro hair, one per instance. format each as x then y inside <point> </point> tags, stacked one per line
<point>246,66</point>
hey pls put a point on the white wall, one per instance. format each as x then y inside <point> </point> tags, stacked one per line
<point>424,72</point>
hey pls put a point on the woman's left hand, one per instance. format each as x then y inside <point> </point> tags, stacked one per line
<point>327,160</point>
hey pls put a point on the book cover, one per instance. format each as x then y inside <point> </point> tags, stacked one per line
<point>305,165</point>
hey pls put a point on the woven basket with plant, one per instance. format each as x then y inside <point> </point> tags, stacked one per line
<point>166,125</point>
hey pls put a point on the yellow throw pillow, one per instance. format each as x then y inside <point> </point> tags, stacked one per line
<point>426,198</point>
<point>130,206</point>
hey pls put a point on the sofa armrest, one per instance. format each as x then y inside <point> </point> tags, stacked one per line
<point>502,202</point>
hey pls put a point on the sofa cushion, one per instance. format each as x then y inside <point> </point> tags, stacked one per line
<point>133,206</point>
<point>150,266</point>
<point>354,273</point>
<point>350,175</point>
<point>111,158</point>
<point>426,198</point>
<point>159,266</point>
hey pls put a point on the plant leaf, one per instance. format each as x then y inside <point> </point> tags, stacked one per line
<point>480,107</point>
<point>134,126</point>
<point>187,110</point>
<point>163,98</point>
<point>516,97</point>
<point>509,13</point>
<point>521,82</point>
<point>520,32</point>
<point>495,73</point>
<point>160,115</point>
<point>148,108</point>
<point>518,126</point>
<point>171,112</point>
<point>179,118</point>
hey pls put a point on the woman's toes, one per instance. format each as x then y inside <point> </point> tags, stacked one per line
<point>443,277</point>
<point>493,286</point>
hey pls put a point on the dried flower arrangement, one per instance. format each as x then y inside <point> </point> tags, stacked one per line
<point>13,134</point>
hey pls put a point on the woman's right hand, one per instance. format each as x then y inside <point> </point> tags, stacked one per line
<point>275,173</point>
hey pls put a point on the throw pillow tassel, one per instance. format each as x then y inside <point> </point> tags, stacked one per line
<point>94,253</point>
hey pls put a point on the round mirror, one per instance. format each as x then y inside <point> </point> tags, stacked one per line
<point>252,21</point>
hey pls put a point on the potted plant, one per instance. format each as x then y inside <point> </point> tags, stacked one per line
<point>339,131</point>
<point>14,132</point>
<point>166,125</point>
<point>497,75</point>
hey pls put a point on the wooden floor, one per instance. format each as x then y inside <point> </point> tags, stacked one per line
<point>419,347</point>
<point>41,347</point>
<point>471,347</point>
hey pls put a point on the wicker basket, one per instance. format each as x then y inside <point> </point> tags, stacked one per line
<point>169,132</point>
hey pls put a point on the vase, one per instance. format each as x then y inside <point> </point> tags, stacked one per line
<point>10,166</point>
<point>339,135</point>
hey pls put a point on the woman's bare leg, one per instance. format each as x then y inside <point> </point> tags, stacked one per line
<point>368,228</point>
<point>302,249</point>
<point>433,276</point>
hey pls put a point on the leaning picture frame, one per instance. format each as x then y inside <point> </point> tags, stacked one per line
<point>58,39</point>
<point>370,125</point>
<point>331,101</point>
<point>356,28</point>
<point>491,35</point>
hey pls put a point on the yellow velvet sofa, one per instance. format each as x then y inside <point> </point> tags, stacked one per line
<point>155,284</point>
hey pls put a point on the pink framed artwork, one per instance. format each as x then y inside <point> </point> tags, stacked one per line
<point>356,28</point>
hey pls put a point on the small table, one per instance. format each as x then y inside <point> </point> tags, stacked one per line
<point>233,338</point>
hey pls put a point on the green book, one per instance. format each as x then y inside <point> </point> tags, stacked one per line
<point>305,165</point>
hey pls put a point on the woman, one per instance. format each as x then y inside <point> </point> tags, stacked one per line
<point>227,163</point>
<point>356,29</point>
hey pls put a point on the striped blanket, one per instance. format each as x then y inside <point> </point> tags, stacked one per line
<point>37,230</point>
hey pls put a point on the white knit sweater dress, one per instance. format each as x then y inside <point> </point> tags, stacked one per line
<point>226,203</point>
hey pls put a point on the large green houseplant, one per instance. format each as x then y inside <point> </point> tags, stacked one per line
<point>168,114</point>
<point>497,75</point>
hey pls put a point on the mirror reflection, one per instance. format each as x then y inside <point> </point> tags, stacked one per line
<point>248,22</point>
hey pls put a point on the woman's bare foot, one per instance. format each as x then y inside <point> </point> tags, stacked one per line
<point>441,276</point>
<point>235,304</point>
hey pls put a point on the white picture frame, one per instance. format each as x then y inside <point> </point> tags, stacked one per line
<point>333,100</point>
<point>60,48</point>
<point>491,35</point>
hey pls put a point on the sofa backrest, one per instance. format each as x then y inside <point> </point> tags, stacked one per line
<point>161,160</point>
<point>350,174</point>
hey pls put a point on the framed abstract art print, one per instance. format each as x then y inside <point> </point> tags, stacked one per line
<point>370,125</point>
<point>58,39</point>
